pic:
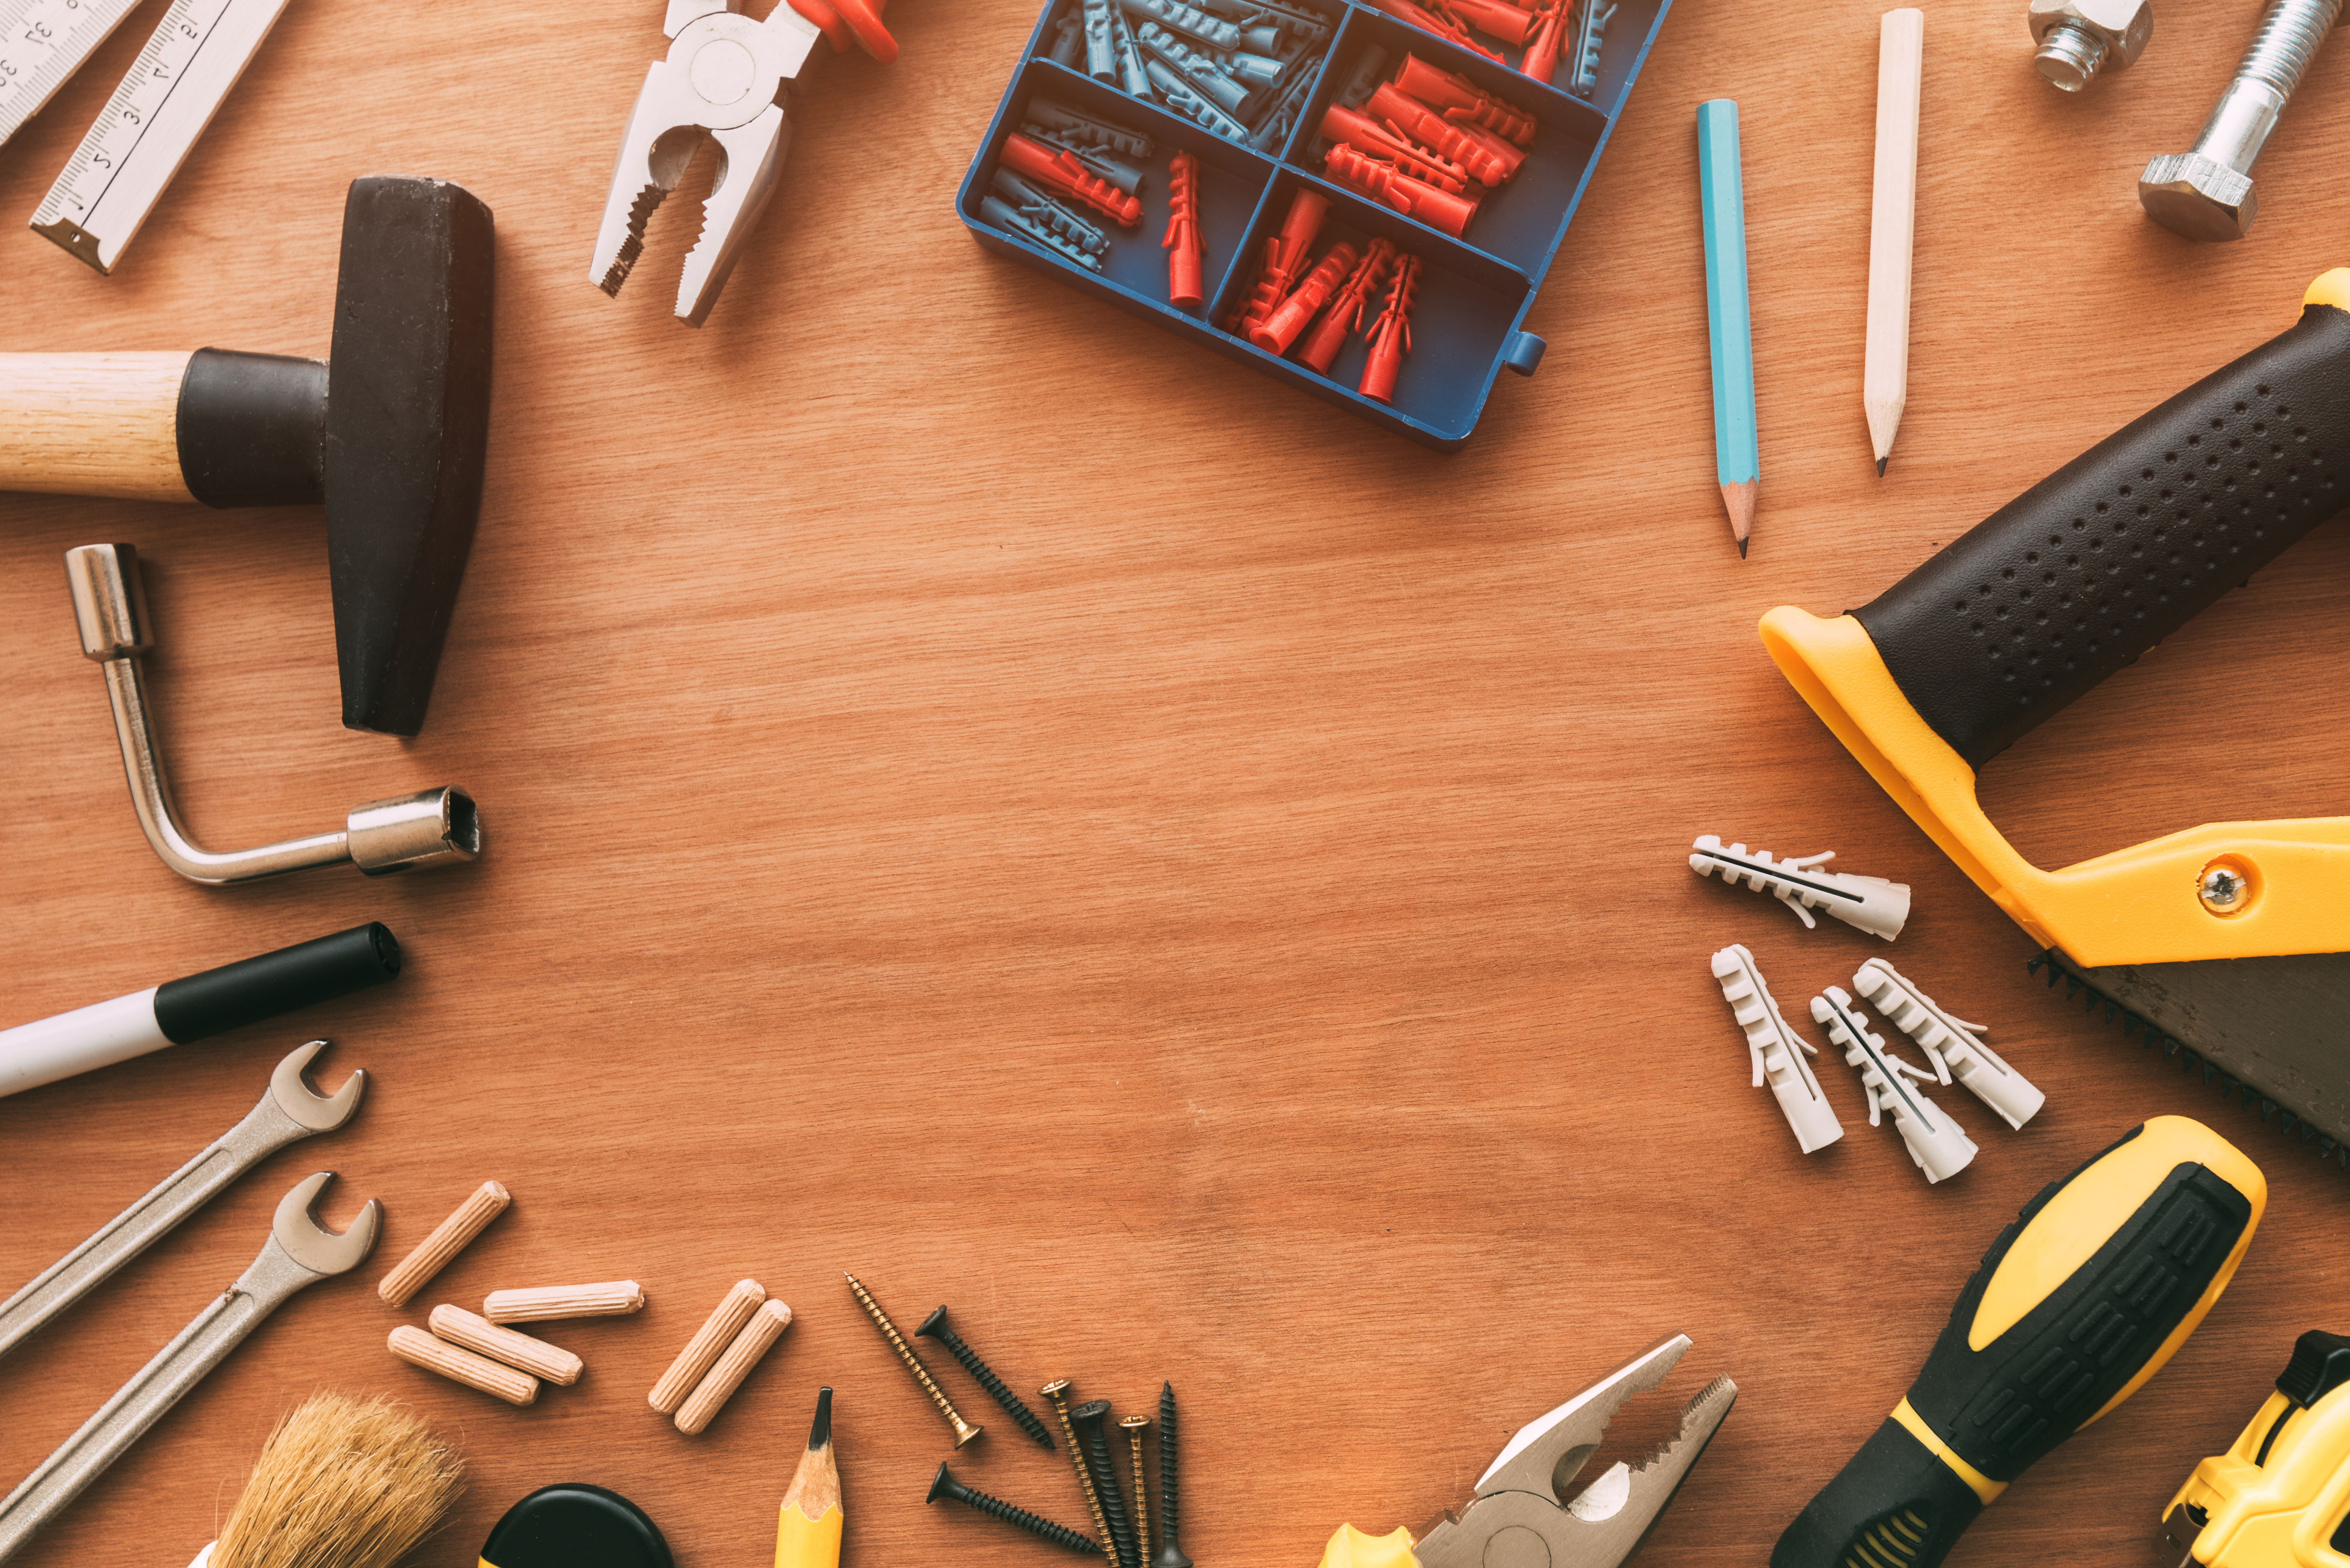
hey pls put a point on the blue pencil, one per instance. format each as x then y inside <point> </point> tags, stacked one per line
<point>1730,323</point>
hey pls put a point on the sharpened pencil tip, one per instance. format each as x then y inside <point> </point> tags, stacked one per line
<point>1880,468</point>
<point>820,1430</point>
<point>1741,549</point>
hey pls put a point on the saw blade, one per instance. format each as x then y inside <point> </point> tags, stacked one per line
<point>150,124</point>
<point>2274,1030</point>
<point>43,42</point>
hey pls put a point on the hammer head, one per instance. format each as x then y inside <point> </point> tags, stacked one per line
<point>408,417</point>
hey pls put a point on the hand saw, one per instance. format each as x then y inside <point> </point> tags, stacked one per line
<point>2230,943</point>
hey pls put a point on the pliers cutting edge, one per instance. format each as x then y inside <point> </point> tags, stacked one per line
<point>724,77</point>
<point>1516,1517</point>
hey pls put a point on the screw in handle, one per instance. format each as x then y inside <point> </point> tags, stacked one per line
<point>1171,1553</point>
<point>935,1327</point>
<point>2208,193</point>
<point>1133,1426</point>
<point>1058,1393</point>
<point>1087,1418</point>
<point>946,1486</point>
<point>964,1430</point>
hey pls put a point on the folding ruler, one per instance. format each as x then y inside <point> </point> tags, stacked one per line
<point>150,123</point>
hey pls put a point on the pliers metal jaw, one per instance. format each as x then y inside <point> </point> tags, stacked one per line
<point>724,77</point>
<point>1517,1521</point>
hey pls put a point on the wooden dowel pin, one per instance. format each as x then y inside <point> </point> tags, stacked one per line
<point>709,1342</point>
<point>544,1304</point>
<point>718,1386</point>
<point>449,1238</point>
<point>458,1365</point>
<point>536,1357</point>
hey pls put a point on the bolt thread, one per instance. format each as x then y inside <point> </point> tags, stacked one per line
<point>1085,1477</point>
<point>996,1508</point>
<point>1141,1500</point>
<point>1169,1520</point>
<point>1103,1470</point>
<point>2287,40</point>
<point>906,1354</point>
<point>2071,56</point>
<point>984,1376</point>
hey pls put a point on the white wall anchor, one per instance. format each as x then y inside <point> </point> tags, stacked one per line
<point>1937,1143</point>
<point>1777,1050</point>
<point>1953,1045</point>
<point>1871,903</point>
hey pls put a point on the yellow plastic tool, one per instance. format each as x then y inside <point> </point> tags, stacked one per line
<point>2100,1280</point>
<point>2280,1497</point>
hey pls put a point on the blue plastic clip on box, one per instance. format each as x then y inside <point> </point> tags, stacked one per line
<point>1466,325</point>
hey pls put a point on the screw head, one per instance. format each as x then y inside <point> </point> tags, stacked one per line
<point>932,1324</point>
<point>2224,889</point>
<point>1055,1390</point>
<point>1135,1423</point>
<point>941,1484</point>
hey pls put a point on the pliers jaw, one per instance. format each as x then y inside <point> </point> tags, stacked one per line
<point>1607,1520</point>
<point>724,77</point>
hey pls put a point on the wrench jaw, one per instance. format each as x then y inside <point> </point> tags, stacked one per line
<point>299,1234</point>
<point>290,1086</point>
<point>746,182</point>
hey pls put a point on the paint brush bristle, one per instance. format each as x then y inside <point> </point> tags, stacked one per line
<point>341,1483</point>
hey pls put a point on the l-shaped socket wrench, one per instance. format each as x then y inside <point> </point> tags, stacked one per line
<point>436,828</point>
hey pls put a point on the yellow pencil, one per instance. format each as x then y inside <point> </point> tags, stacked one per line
<point>808,1534</point>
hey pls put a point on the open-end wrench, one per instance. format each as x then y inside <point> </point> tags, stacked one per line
<point>291,1111</point>
<point>300,1251</point>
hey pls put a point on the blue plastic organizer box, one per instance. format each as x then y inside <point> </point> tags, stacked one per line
<point>1466,325</point>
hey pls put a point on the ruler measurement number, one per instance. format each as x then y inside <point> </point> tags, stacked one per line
<point>42,42</point>
<point>159,67</point>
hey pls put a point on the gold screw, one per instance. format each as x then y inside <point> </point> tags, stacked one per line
<point>1057,1391</point>
<point>1132,1425</point>
<point>964,1430</point>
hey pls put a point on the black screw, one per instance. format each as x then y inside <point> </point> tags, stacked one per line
<point>1087,1418</point>
<point>1170,1555</point>
<point>945,1485</point>
<point>935,1327</point>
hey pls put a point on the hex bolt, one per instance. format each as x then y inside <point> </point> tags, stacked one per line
<point>2079,38</point>
<point>1087,1420</point>
<point>2207,194</point>
<point>946,1486</point>
<point>964,1430</point>
<point>935,1327</point>
<point>1171,1553</point>
<point>1133,1426</point>
<point>1058,1393</point>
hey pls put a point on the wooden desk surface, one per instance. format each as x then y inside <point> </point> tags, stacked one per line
<point>987,794</point>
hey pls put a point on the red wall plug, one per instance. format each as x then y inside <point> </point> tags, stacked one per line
<point>1182,242</point>
<point>1385,182</point>
<point>1464,101</point>
<point>1284,258</point>
<point>1489,158</point>
<point>1511,23</point>
<point>846,21</point>
<point>1391,333</point>
<point>1346,313</point>
<point>1365,134</point>
<point>1281,328</point>
<point>1541,58</point>
<point>1434,17</point>
<point>1059,170</point>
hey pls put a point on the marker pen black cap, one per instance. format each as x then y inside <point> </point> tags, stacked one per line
<point>250,990</point>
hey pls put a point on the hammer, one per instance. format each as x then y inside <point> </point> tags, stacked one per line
<point>389,432</point>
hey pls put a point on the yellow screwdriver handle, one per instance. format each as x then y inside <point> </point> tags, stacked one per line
<point>2100,1279</point>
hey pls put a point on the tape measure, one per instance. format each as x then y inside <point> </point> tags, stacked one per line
<point>150,124</point>
<point>43,42</point>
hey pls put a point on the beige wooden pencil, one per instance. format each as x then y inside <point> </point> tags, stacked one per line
<point>1892,225</point>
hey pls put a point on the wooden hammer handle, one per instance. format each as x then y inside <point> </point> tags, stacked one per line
<point>92,425</point>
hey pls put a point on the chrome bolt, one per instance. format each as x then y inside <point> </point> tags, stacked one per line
<point>2222,889</point>
<point>2079,38</point>
<point>2207,194</point>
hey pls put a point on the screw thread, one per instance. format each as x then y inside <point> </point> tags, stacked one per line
<point>2287,40</point>
<point>996,1508</point>
<point>1141,1500</point>
<point>914,1361</point>
<point>984,1376</point>
<point>1104,1473</point>
<point>2071,56</point>
<point>1078,1463</point>
<point>1168,1456</point>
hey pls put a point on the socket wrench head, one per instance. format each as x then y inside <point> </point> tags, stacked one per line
<point>2079,38</point>
<point>109,602</point>
<point>2198,197</point>
<point>437,827</point>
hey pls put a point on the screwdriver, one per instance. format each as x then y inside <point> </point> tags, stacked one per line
<point>2076,1304</point>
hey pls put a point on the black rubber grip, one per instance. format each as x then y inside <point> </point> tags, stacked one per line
<point>253,428</point>
<point>253,989</point>
<point>1895,1503</point>
<point>2123,546</point>
<point>574,1525</point>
